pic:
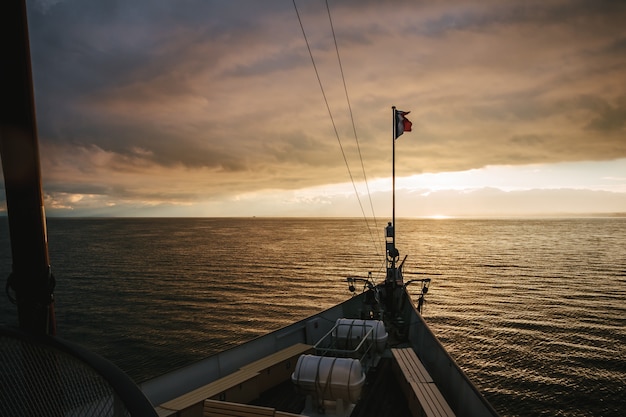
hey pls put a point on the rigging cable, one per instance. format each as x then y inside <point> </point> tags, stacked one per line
<point>356,137</point>
<point>330,113</point>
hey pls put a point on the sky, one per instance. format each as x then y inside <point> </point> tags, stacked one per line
<point>213,108</point>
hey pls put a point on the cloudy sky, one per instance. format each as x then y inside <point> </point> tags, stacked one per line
<point>213,108</point>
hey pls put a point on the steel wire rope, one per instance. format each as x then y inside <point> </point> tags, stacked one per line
<point>345,159</point>
<point>356,137</point>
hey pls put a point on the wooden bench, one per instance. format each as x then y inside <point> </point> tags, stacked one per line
<point>241,386</point>
<point>164,412</point>
<point>275,368</point>
<point>410,365</point>
<point>213,408</point>
<point>291,352</point>
<point>423,396</point>
<point>238,386</point>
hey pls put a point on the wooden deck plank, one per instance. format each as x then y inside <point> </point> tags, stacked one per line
<point>282,355</point>
<point>418,386</point>
<point>413,367</point>
<point>163,412</point>
<point>275,368</point>
<point>266,372</point>
<point>209,390</point>
<point>214,408</point>
<point>431,399</point>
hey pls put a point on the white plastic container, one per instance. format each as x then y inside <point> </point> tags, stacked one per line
<point>350,332</point>
<point>329,378</point>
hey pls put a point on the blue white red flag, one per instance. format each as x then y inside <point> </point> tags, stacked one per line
<point>402,123</point>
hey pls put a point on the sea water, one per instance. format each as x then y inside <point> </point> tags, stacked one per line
<point>533,310</point>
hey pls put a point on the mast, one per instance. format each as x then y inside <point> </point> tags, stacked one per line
<point>390,230</point>
<point>30,280</point>
<point>394,134</point>
<point>400,124</point>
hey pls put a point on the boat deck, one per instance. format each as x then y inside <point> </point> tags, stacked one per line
<point>381,395</point>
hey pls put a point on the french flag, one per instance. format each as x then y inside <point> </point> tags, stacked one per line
<point>402,123</point>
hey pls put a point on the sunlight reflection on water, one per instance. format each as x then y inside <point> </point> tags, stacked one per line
<point>532,310</point>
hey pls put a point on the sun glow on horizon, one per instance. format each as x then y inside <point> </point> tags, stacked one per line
<point>572,175</point>
<point>439,217</point>
<point>492,190</point>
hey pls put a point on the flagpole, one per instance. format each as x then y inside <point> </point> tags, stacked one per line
<point>393,170</point>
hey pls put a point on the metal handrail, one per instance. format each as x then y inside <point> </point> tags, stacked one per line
<point>366,341</point>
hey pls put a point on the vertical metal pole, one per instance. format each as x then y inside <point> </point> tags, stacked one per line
<point>30,278</point>
<point>393,171</point>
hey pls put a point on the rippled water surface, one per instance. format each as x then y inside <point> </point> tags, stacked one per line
<point>532,309</point>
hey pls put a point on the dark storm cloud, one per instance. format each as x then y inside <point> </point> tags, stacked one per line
<point>217,97</point>
<point>608,117</point>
